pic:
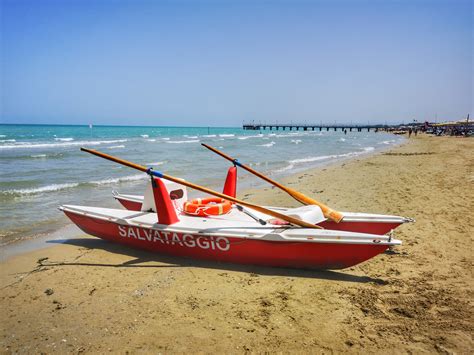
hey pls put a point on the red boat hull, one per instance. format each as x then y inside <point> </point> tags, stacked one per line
<point>130,205</point>
<point>231,249</point>
<point>379,228</point>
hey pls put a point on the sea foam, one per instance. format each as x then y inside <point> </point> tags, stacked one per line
<point>267,145</point>
<point>119,179</point>
<point>23,145</point>
<point>41,189</point>
<point>248,137</point>
<point>333,156</point>
<point>183,142</point>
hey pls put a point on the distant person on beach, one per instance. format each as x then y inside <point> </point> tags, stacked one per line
<point>416,131</point>
<point>345,131</point>
<point>409,132</point>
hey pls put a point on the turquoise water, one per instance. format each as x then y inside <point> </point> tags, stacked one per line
<point>42,167</point>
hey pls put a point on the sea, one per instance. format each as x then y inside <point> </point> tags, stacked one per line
<point>42,167</point>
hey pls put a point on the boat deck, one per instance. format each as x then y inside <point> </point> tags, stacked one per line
<point>234,224</point>
<point>348,216</point>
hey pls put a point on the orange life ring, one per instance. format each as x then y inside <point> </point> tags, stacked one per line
<point>211,206</point>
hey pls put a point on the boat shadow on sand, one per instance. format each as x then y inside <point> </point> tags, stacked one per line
<point>142,258</point>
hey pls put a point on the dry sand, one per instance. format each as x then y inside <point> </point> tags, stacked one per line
<point>91,296</point>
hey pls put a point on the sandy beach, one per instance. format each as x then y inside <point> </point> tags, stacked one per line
<point>87,295</point>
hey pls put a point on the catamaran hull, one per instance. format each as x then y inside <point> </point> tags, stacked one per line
<point>379,228</point>
<point>129,204</point>
<point>230,249</point>
<point>362,226</point>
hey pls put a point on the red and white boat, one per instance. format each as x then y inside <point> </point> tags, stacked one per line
<point>237,237</point>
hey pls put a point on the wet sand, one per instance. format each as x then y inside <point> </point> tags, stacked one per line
<point>87,295</point>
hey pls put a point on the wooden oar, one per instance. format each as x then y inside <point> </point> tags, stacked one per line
<point>327,211</point>
<point>292,220</point>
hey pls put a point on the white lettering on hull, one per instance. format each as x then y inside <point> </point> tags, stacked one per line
<point>184,240</point>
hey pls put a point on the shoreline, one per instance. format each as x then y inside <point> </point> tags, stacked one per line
<point>415,298</point>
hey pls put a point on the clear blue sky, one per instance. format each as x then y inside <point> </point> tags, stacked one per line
<point>221,62</point>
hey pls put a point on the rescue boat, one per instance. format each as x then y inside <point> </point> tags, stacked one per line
<point>238,236</point>
<point>246,233</point>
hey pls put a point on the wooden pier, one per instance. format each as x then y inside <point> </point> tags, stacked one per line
<point>313,127</point>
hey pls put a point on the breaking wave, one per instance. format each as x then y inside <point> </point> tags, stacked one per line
<point>38,190</point>
<point>267,145</point>
<point>182,142</point>
<point>333,156</point>
<point>23,145</point>
<point>286,168</point>
<point>58,187</point>
<point>120,179</point>
<point>294,134</point>
<point>64,139</point>
<point>248,137</point>
<point>387,142</point>
<point>312,159</point>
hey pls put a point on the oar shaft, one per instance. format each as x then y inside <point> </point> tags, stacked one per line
<point>115,159</point>
<point>249,169</point>
<point>289,219</point>
<point>327,211</point>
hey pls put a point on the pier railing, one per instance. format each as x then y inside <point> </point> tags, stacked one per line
<point>313,127</point>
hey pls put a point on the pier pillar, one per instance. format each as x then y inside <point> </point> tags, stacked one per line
<point>327,129</point>
<point>305,129</point>
<point>320,129</point>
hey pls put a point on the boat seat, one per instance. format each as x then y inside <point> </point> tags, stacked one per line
<point>310,213</point>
